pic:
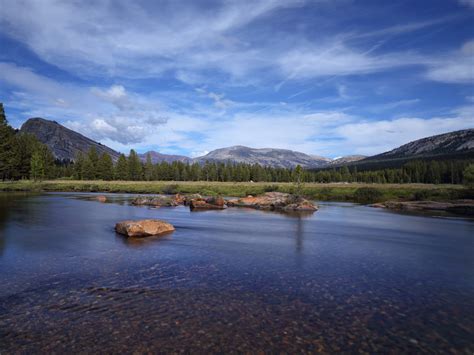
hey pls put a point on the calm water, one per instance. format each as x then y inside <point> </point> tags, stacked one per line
<point>346,279</point>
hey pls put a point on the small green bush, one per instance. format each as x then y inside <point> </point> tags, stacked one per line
<point>421,195</point>
<point>367,195</point>
<point>170,189</point>
<point>270,188</point>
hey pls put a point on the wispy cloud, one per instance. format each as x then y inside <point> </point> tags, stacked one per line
<point>265,73</point>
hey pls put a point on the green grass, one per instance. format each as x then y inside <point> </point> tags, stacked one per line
<point>323,192</point>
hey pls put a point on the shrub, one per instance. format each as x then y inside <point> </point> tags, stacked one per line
<point>170,189</point>
<point>270,188</point>
<point>468,176</point>
<point>367,195</point>
<point>421,195</point>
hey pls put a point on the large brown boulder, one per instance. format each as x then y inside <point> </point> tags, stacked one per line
<point>274,201</point>
<point>211,203</point>
<point>143,228</point>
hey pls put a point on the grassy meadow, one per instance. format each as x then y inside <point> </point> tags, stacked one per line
<point>318,191</point>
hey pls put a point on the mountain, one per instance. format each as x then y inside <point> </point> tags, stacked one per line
<point>346,159</point>
<point>281,158</point>
<point>169,158</point>
<point>63,142</point>
<point>452,143</point>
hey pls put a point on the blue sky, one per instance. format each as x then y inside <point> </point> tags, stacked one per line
<point>327,77</point>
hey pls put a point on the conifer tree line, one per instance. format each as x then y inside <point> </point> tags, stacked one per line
<point>90,166</point>
<point>22,156</point>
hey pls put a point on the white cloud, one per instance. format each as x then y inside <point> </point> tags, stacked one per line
<point>127,39</point>
<point>376,137</point>
<point>456,67</point>
<point>144,121</point>
<point>117,95</point>
<point>101,113</point>
<point>309,61</point>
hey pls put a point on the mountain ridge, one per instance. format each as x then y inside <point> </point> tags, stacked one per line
<point>282,158</point>
<point>65,144</point>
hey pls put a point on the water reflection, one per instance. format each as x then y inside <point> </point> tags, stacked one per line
<point>143,242</point>
<point>299,234</point>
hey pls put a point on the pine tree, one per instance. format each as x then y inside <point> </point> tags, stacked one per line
<point>6,136</point>
<point>121,169</point>
<point>19,155</point>
<point>148,170</point>
<point>47,160</point>
<point>298,180</point>
<point>88,169</point>
<point>36,166</point>
<point>78,166</point>
<point>93,158</point>
<point>469,176</point>
<point>134,166</point>
<point>105,167</point>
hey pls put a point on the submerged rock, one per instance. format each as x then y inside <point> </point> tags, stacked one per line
<point>101,198</point>
<point>274,201</point>
<point>143,228</point>
<point>302,205</point>
<point>462,207</point>
<point>211,203</point>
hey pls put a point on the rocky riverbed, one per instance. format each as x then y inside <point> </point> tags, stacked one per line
<point>270,201</point>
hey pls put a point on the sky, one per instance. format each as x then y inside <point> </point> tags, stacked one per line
<point>324,77</point>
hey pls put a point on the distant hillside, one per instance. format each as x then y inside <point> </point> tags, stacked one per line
<point>281,158</point>
<point>168,158</point>
<point>347,159</point>
<point>442,144</point>
<point>64,143</point>
<point>448,146</point>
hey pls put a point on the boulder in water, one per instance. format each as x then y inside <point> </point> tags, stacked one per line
<point>211,203</point>
<point>154,201</point>
<point>143,228</point>
<point>274,201</point>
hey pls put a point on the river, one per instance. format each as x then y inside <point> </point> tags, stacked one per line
<point>347,278</point>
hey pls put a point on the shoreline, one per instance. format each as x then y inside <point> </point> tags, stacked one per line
<point>337,192</point>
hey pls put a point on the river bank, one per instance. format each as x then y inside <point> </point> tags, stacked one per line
<point>351,192</point>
